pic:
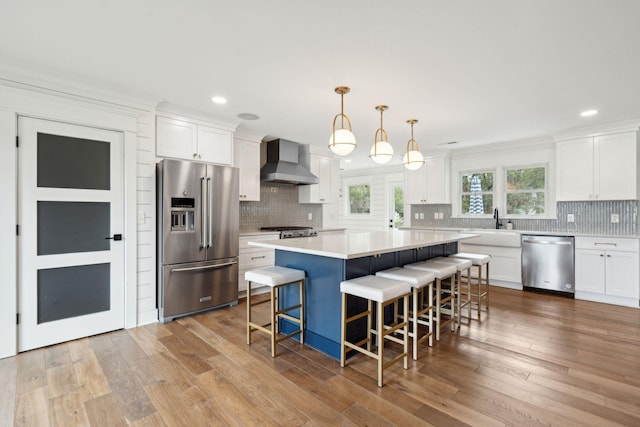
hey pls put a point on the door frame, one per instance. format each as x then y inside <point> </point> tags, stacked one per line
<point>391,183</point>
<point>16,102</point>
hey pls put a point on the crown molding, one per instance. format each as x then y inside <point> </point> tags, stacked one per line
<point>49,82</point>
<point>180,112</point>
<point>599,129</point>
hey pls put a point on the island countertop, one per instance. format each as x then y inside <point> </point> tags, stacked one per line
<point>358,244</point>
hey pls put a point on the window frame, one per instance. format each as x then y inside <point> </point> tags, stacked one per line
<point>347,197</point>
<point>545,190</point>
<point>460,193</point>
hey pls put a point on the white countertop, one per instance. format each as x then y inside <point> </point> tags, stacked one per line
<point>518,231</point>
<point>358,244</point>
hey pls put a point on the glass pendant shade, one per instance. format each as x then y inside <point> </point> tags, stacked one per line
<point>342,141</point>
<point>381,152</point>
<point>413,158</point>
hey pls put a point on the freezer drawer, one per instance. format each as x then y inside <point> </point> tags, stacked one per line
<point>193,287</point>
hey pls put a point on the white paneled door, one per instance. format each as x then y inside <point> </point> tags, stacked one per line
<point>71,250</point>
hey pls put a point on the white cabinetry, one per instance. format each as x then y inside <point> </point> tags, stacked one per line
<point>601,167</point>
<point>321,166</point>
<point>246,157</point>
<point>193,141</point>
<point>429,184</point>
<point>506,255</point>
<point>608,270</point>
<point>253,257</point>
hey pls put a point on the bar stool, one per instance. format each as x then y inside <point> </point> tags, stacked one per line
<point>481,276</point>
<point>275,277</point>
<point>420,313</point>
<point>464,267</point>
<point>384,292</point>
<point>441,272</point>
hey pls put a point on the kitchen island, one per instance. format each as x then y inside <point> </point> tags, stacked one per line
<point>332,258</point>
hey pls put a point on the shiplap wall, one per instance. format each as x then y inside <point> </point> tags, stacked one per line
<point>146,220</point>
<point>379,182</point>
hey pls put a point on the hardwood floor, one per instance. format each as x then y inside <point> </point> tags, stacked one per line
<point>533,360</point>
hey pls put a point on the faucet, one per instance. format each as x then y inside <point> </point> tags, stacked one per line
<point>497,218</point>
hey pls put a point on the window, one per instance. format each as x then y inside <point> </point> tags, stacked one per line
<point>477,193</point>
<point>359,199</point>
<point>525,191</point>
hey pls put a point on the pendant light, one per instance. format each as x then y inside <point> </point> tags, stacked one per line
<point>342,141</point>
<point>413,158</point>
<point>381,151</point>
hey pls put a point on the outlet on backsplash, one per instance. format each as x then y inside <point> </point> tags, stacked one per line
<point>571,218</point>
<point>615,218</point>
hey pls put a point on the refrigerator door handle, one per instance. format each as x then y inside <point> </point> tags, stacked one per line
<point>203,213</point>
<point>205,267</point>
<point>209,214</point>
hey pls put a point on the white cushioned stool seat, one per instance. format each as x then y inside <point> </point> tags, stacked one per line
<point>438,269</point>
<point>476,259</point>
<point>274,276</point>
<point>460,263</point>
<point>416,278</point>
<point>375,288</point>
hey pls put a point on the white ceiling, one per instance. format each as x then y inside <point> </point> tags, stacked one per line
<point>470,71</point>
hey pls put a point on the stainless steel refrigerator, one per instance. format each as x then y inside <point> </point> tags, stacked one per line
<point>198,223</point>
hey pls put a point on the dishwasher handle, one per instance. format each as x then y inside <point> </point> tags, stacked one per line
<point>548,242</point>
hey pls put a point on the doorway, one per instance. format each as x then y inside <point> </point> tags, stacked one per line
<point>395,204</point>
<point>70,246</point>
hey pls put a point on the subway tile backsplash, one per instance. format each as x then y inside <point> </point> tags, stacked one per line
<point>590,218</point>
<point>278,206</point>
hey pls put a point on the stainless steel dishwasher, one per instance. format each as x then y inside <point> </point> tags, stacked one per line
<point>548,263</point>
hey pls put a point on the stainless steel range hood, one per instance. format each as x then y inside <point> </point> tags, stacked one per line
<point>283,164</point>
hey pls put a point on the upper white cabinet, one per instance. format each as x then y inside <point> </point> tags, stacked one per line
<point>246,157</point>
<point>193,141</point>
<point>321,166</point>
<point>598,168</point>
<point>429,184</point>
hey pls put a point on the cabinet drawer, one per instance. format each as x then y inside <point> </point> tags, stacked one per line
<point>608,244</point>
<point>251,260</point>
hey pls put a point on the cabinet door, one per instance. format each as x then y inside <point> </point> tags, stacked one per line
<point>574,169</point>
<point>175,138</point>
<point>615,167</point>
<point>246,157</point>
<point>325,179</point>
<point>622,274</point>
<point>214,145</point>
<point>436,183</point>
<point>415,183</point>
<point>590,271</point>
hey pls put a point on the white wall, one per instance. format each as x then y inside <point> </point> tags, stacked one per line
<point>146,220</point>
<point>378,218</point>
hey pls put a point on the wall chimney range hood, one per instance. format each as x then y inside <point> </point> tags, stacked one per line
<point>284,165</point>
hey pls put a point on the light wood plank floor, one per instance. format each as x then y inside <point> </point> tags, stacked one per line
<point>533,360</point>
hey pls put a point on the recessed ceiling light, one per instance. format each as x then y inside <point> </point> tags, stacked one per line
<point>219,100</point>
<point>347,160</point>
<point>589,113</point>
<point>248,116</point>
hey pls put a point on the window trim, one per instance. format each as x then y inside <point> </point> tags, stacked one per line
<point>460,193</point>
<point>545,190</point>
<point>354,182</point>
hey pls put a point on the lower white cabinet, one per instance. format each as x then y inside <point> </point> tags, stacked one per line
<point>608,270</point>
<point>253,257</point>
